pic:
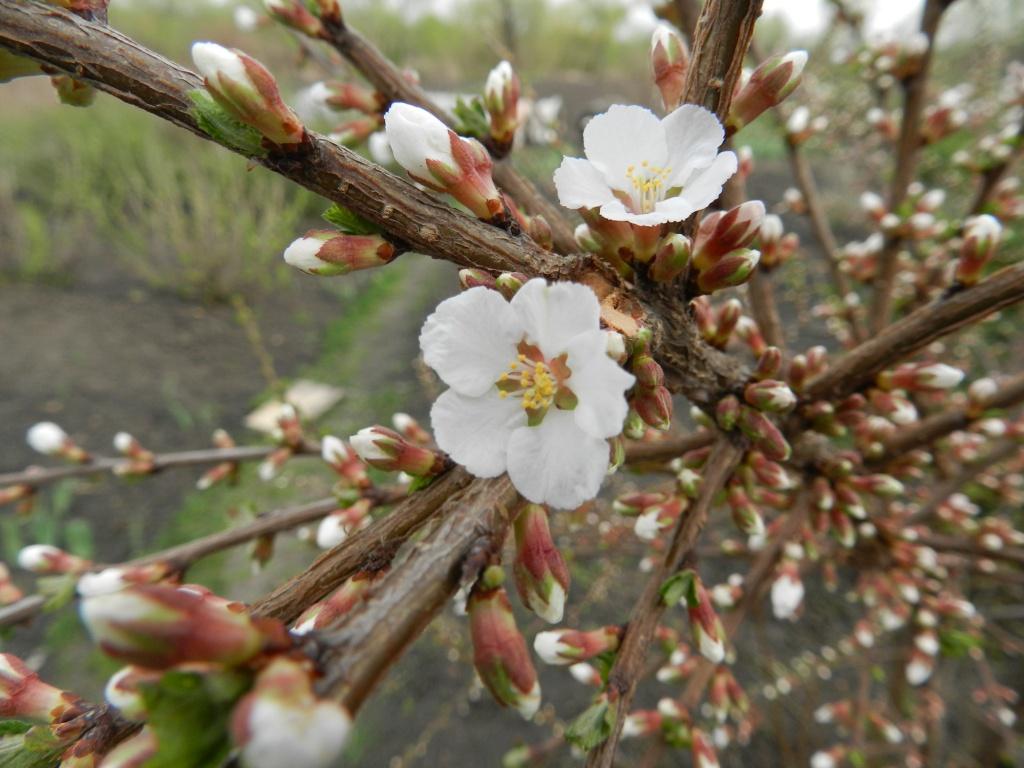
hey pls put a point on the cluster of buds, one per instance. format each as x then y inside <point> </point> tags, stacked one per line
<point>625,246</point>
<point>140,461</point>
<point>716,327</point>
<point>281,722</point>
<point>727,697</point>
<point>669,61</point>
<point>505,283</point>
<point>388,450</point>
<point>437,157</point>
<point>768,85</point>
<point>650,402</point>
<point>500,654</point>
<point>49,439</point>
<point>776,245</point>
<point>161,625</point>
<point>248,92</point>
<point>501,98</point>
<point>328,252</point>
<point>721,258</point>
<point>340,602</point>
<point>563,647</point>
<point>669,721</point>
<point>891,60</point>
<point>751,418</point>
<point>541,575</point>
<point>980,237</point>
<point>351,97</point>
<point>654,511</point>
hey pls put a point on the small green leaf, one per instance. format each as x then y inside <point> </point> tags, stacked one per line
<point>349,222</point>
<point>33,747</point>
<point>956,644</point>
<point>471,118</point>
<point>678,586</point>
<point>593,726</point>
<point>13,727</point>
<point>223,127</point>
<point>58,590</point>
<point>856,758</point>
<point>189,714</point>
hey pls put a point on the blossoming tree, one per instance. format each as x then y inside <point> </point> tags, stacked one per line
<point>563,358</point>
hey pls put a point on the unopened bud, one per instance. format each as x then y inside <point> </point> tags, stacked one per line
<point>347,96</point>
<point>568,646</point>
<point>541,575</point>
<point>46,559</point>
<point>509,283</point>
<point>981,236</point>
<point>134,752</point>
<point>731,270</point>
<point>655,407</point>
<point>24,695</point>
<point>325,252</point>
<point>244,87</point>
<point>501,97</point>
<point>770,395</point>
<point>294,14</point>
<point>725,231</point>
<point>921,377</point>
<point>759,428</point>
<point>669,61</point>
<point>385,449</point>
<point>768,86</point>
<point>437,157</point>
<point>50,440</point>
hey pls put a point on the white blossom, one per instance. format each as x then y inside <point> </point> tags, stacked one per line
<point>416,136</point>
<point>787,594</point>
<point>46,438</point>
<point>645,170</point>
<point>532,390</point>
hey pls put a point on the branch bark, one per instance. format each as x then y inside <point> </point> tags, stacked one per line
<point>373,635</point>
<point>898,341</point>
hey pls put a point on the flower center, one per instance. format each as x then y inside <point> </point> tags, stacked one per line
<point>537,382</point>
<point>648,185</point>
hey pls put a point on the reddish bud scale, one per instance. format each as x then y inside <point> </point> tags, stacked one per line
<point>501,98</point>
<point>355,252</point>
<point>769,364</point>
<point>160,626</point>
<point>768,86</point>
<point>671,259</point>
<point>669,62</point>
<point>540,572</point>
<point>725,231</point>
<point>654,406</point>
<point>765,435</point>
<point>24,695</point>
<point>632,504</point>
<point>354,132</point>
<point>500,654</point>
<point>294,14</point>
<point>729,271</point>
<point>340,602</point>
<point>353,96</point>
<point>267,113</point>
<point>472,278</point>
<point>470,180</point>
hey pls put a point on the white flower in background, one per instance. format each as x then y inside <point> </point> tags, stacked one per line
<point>532,389</point>
<point>787,594</point>
<point>46,438</point>
<point>644,170</point>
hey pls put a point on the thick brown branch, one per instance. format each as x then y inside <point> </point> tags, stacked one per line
<point>371,637</point>
<point>395,86</point>
<point>915,91</point>
<point>118,65</point>
<point>898,341</point>
<point>647,611</point>
<point>372,546</point>
<point>720,43</point>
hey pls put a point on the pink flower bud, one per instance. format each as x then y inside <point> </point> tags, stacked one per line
<point>568,646</point>
<point>46,559</point>
<point>669,61</point>
<point>541,575</point>
<point>705,626</point>
<point>159,626</point>
<point>501,97</point>
<point>921,377</point>
<point>671,258</point>
<point>24,695</point>
<point>326,252</point>
<point>729,271</point>
<point>280,723</point>
<point>770,395</point>
<point>346,96</point>
<point>294,14</point>
<point>385,449</point>
<point>768,86</point>
<point>437,157</point>
<point>654,407</point>
<point>759,428</point>
<point>340,602</point>
<point>244,87</point>
<point>499,651</point>
<point>725,231</point>
<point>981,236</point>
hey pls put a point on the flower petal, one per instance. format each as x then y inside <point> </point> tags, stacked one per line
<point>475,431</point>
<point>673,209</point>
<point>621,137</point>
<point>693,136</point>
<point>556,463</point>
<point>470,340</point>
<point>704,187</point>
<point>599,384</point>
<point>551,315</point>
<point>581,185</point>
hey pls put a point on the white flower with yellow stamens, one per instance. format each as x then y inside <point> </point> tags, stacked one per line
<point>644,170</point>
<point>532,389</point>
